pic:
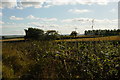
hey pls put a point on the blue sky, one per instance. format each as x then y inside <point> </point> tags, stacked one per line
<point>63,16</point>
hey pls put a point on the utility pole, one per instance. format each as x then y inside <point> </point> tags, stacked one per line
<point>92,23</point>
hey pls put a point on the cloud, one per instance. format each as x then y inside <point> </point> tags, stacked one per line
<point>32,17</point>
<point>67,20</point>
<point>48,19</point>
<point>84,20</point>
<point>113,10</point>
<point>32,3</point>
<point>78,11</point>
<point>71,2</point>
<point>76,20</point>
<point>1,22</point>
<point>21,4</point>
<point>47,6</point>
<point>106,21</point>
<point>14,25</point>
<point>8,3</point>
<point>44,25</point>
<point>83,2</point>
<point>10,23</point>
<point>115,20</point>
<point>1,14</point>
<point>42,19</point>
<point>48,3</point>
<point>15,18</point>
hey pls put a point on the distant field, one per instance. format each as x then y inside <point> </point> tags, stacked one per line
<point>84,36</point>
<point>16,39</point>
<point>109,38</point>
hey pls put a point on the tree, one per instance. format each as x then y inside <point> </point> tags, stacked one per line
<point>52,32</point>
<point>34,34</point>
<point>73,33</point>
<point>51,35</point>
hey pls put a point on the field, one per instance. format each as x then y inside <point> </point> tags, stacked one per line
<point>109,38</point>
<point>60,40</point>
<point>87,60</point>
<point>80,38</point>
<point>15,39</point>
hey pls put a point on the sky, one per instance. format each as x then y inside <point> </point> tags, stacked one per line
<point>63,16</point>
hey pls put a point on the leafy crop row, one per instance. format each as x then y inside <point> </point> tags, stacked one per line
<point>57,60</point>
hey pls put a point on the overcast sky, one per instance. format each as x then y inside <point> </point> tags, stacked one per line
<point>61,15</point>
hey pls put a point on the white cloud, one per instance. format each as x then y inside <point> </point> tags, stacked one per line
<point>49,3</point>
<point>14,25</point>
<point>48,19</point>
<point>76,20</point>
<point>15,18</point>
<point>84,20</point>
<point>1,22</point>
<point>32,3</point>
<point>41,24</point>
<point>106,21</point>
<point>47,6</point>
<point>113,10</point>
<point>8,3</point>
<point>10,23</point>
<point>1,14</point>
<point>115,20</point>
<point>68,2</point>
<point>31,17</point>
<point>42,19</point>
<point>84,2</point>
<point>37,24</point>
<point>44,26</point>
<point>77,11</point>
<point>67,20</point>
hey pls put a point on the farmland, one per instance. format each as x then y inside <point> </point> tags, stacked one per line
<point>49,55</point>
<point>60,40</point>
<point>88,38</point>
<point>80,38</point>
<point>60,60</point>
<point>15,39</point>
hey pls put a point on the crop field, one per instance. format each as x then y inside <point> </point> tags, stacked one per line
<point>88,38</point>
<point>15,39</point>
<point>109,38</point>
<point>61,60</point>
<point>60,40</point>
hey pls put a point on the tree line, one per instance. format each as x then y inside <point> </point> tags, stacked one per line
<point>103,32</point>
<point>39,34</point>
